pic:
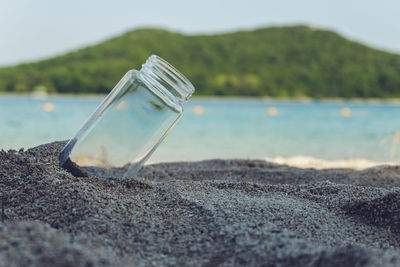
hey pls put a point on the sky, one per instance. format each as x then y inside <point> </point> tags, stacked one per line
<point>37,29</point>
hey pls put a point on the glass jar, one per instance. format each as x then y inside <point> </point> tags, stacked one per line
<point>130,123</point>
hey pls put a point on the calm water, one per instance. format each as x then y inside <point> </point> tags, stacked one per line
<point>224,128</point>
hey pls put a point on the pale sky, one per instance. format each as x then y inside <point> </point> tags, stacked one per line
<point>36,29</point>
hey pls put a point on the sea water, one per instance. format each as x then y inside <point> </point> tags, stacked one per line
<point>226,128</point>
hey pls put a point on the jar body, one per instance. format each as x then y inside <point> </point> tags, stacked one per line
<point>124,130</point>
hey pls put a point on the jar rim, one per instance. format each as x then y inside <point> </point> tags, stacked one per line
<point>163,72</point>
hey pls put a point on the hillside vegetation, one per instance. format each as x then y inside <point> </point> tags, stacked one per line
<point>277,61</point>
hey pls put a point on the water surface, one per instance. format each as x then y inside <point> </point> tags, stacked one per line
<point>217,128</point>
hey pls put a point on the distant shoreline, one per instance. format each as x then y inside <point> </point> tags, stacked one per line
<point>232,98</point>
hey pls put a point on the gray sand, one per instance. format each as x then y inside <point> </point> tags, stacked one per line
<point>217,212</point>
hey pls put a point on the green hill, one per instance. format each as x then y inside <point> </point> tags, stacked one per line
<point>277,61</point>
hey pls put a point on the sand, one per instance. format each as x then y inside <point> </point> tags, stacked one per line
<point>210,213</point>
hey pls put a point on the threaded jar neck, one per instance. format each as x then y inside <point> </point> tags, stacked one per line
<point>165,77</point>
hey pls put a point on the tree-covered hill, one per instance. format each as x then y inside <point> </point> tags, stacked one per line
<point>277,61</point>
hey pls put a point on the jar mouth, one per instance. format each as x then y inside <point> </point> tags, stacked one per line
<point>164,74</point>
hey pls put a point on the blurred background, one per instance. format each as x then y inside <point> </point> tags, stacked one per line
<point>286,81</point>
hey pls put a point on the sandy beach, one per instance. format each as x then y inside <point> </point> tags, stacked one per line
<point>209,213</point>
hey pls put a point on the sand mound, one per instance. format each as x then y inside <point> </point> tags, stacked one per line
<point>36,243</point>
<point>382,211</point>
<point>227,212</point>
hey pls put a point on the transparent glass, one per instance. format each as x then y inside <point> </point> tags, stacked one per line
<point>130,123</point>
